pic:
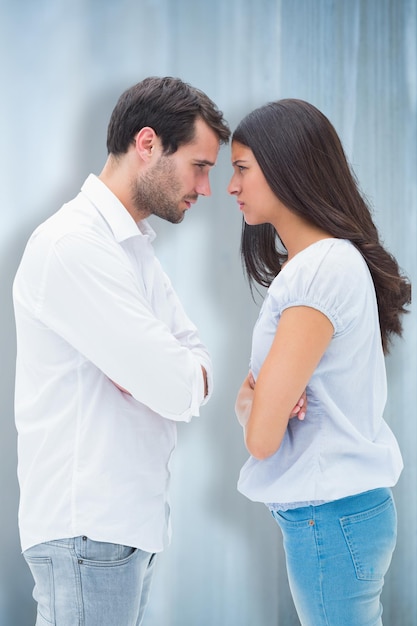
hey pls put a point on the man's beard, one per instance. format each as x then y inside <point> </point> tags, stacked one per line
<point>157,192</point>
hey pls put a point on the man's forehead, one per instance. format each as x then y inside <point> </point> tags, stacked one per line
<point>203,148</point>
<point>204,133</point>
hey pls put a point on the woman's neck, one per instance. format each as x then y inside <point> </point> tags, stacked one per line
<point>296,233</point>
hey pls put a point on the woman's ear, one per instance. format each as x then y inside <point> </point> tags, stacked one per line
<point>145,142</point>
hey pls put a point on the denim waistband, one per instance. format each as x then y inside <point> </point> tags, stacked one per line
<point>368,498</point>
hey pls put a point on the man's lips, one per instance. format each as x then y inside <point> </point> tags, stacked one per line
<point>190,201</point>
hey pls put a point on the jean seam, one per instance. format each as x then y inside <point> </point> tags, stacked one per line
<point>317,538</point>
<point>78,586</point>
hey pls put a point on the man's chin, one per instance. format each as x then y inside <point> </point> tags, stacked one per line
<point>170,216</point>
<point>175,219</point>
<point>180,218</point>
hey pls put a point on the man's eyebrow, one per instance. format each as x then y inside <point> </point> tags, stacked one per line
<point>204,162</point>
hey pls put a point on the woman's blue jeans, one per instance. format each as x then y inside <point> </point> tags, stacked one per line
<point>337,556</point>
<point>80,582</point>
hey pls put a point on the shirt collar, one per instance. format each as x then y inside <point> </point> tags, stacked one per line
<point>114,212</point>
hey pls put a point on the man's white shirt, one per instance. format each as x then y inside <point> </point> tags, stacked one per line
<point>95,311</point>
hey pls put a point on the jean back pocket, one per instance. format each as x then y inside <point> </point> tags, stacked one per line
<point>371,537</point>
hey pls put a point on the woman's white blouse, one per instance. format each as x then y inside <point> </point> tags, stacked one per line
<point>344,446</point>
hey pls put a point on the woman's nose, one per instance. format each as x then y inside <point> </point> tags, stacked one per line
<point>232,186</point>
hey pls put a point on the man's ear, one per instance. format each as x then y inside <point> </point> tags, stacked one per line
<point>146,142</point>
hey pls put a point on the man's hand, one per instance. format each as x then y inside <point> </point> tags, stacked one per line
<point>205,381</point>
<point>121,388</point>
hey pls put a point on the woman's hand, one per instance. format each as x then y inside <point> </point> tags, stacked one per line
<point>244,401</point>
<point>300,408</point>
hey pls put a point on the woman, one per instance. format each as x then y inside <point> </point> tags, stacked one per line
<point>335,298</point>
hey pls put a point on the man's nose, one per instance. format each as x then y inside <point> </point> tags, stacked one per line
<point>203,187</point>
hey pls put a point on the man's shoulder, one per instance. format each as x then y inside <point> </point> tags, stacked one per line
<point>77,218</point>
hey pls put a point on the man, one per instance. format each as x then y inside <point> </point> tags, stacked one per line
<point>108,362</point>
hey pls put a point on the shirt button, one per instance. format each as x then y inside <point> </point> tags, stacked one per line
<point>311,522</point>
<point>84,538</point>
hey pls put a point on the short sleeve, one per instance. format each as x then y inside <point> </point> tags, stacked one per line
<point>329,276</point>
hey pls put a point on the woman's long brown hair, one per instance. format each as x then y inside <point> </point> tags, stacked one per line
<point>304,163</point>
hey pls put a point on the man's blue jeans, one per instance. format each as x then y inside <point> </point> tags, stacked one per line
<point>80,582</point>
<point>337,556</point>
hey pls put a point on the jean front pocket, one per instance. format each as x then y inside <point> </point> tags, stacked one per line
<point>43,593</point>
<point>102,554</point>
<point>371,536</point>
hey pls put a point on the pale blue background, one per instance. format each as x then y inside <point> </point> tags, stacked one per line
<point>63,65</point>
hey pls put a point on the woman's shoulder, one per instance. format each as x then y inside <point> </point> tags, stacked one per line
<point>341,250</point>
<point>330,275</point>
<point>325,258</point>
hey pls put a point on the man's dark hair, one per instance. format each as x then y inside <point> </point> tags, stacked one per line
<point>170,107</point>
